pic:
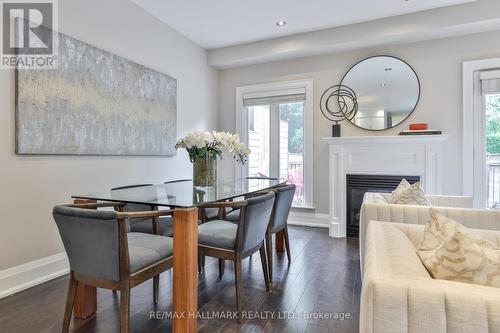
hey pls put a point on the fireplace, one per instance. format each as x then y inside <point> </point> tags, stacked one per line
<point>358,185</point>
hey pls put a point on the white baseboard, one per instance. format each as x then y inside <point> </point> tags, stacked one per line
<point>15,279</point>
<point>309,219</point>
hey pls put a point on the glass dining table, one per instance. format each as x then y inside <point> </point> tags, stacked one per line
<point>184,199</point>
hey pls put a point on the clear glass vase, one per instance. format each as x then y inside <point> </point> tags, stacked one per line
<point>205,171</point>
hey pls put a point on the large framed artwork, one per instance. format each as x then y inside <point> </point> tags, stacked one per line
<point>95,103</point>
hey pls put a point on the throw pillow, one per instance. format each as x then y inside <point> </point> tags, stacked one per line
<point>406,194</point>
<point>440,227</point>
<point>460,257</point>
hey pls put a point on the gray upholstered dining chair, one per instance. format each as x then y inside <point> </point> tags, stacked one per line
<point>160,226</point>
<point>102,254</point>
<point>281,210</point>
<point>279,218</point>
<point>230,241</point>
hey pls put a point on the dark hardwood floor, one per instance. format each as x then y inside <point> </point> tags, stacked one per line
<point>322,278</point>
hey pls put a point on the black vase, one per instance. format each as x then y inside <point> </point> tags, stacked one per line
<point>336,130</point>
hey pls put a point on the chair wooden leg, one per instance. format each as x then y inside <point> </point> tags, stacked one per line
<point>287,244</point>
<point>70,302</point>
<point>269,249</point>
<point>222,265</point>
<point>238,284</point>
<point>203,261</point>
<point>199,264</point>
<point>279,241</point>
<point>263,260</point>
<point>124,309</point>
<point>156,287</point>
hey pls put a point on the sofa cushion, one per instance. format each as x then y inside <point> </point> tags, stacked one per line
<point>406,194</point>
<point>400,253</point>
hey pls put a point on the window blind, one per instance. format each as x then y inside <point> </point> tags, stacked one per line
<point>273,97</point>
<point>490,81</point>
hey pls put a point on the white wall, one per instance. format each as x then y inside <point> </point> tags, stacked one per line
<point>438,64</point>
<point>31,185</point>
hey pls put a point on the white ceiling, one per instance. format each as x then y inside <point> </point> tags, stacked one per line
<point>220,23</point>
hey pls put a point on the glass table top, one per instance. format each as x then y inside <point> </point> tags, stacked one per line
<point>183,194</point>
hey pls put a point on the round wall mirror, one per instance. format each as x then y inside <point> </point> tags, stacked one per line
<point>387,91</point>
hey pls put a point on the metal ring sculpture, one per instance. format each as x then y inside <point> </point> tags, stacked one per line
<point>346,110</point>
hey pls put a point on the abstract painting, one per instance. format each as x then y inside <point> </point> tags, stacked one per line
<point>94,103</point>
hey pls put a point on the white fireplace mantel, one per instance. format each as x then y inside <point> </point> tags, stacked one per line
<point>381,155</point>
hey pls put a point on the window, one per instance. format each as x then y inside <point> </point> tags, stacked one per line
<point>481,132</point>
<point>275,120</point>
<point>490,90</point>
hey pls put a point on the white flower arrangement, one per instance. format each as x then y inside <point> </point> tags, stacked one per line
<point>202,144</point>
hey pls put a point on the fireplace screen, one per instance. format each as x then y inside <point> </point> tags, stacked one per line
<point>358,185</point>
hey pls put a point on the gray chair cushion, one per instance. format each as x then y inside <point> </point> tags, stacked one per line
<point>146,249</point>
<point>146,226</point>
<point>218,233</point>
<point>211,213</point>
<point>233,216</point>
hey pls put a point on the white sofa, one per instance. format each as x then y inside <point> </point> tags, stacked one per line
<point>400,296</point>
<point>451,206</point>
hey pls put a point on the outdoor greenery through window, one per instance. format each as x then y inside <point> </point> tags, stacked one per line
<point>492,108</point>
<point>292,146</point>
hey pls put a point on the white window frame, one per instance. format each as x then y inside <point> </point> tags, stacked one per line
<point>473,158</point>
<point>242,119</point>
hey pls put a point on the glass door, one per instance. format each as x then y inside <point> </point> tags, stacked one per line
<point>276,139</point>
<point>492,131</point>
<point>291,146</point>
<point>259,126</point>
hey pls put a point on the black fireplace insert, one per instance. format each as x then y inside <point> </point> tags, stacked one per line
<point>358,185</point>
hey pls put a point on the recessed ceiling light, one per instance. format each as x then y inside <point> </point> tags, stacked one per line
<point>388,69</point>
<point>281,23</point>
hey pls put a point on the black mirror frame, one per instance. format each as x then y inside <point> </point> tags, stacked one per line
<point>418,97</point>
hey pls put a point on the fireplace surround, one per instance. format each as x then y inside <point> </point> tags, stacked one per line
<point>418,156</point>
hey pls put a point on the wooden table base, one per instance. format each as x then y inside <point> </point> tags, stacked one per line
<point>86,301</point>
<point>185,304</point>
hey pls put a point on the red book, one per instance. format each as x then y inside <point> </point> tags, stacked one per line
<point>419,127</point>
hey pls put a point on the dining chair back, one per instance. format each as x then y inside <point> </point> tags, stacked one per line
<point>282,206</point>
<point>133,207</point>
<point>255,221</point>
<point>90,238</point>
<point>102,254</point>
<point>160,226</point>
<point>177,181</point>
